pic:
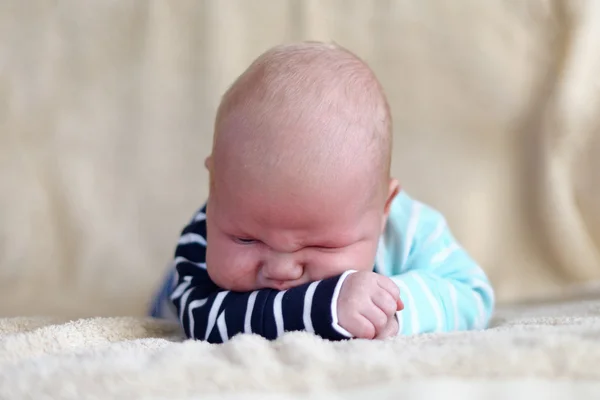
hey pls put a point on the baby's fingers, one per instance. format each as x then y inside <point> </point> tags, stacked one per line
<point>389,330</point>
<point>376,317</point>
<point>385,302</point>
<point>389,286</point>
<point>362,328</point>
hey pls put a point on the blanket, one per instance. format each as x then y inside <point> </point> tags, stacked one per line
<point>526,348</point>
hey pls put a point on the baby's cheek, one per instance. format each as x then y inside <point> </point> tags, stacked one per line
<point>326,265</point>
<point>231,268</point>
<point>323,266</point>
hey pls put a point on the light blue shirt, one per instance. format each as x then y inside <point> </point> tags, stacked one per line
<point>442,287</point>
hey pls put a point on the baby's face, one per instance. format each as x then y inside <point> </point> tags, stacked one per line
<point>264,239</point>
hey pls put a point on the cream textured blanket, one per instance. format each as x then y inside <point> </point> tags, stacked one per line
<point>136,358</point>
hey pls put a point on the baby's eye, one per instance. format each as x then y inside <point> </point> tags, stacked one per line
<point>326,247</point>
<point>244,240</point>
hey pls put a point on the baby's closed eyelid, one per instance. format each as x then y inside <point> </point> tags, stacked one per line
<point>327,248</point>
<point>244,240</point>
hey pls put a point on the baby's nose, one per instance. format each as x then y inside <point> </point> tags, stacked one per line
<point>282,268</point>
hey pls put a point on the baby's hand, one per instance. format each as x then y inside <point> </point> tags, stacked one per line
<point>367,305</point>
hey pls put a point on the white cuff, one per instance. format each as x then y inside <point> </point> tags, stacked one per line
<point>334,301</point>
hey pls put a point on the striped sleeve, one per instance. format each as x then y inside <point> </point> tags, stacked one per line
<point>206,312</point>
<point>442,287</point>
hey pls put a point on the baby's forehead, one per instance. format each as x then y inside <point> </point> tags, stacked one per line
<point>293,203</point>
<point>298,147</point>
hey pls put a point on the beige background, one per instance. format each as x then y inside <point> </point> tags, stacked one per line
<point>106,110</point>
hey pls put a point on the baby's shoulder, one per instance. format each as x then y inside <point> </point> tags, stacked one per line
<point>411,226</point>
<point>409,216</point>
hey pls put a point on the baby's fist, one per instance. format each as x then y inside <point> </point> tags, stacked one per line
<point>366,304</point>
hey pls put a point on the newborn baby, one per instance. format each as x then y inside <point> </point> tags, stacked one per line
<point>304,229</point>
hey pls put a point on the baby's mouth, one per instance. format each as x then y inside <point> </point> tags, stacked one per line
<point>283,285</point>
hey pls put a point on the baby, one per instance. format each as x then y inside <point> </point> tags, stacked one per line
<point>304,229</point>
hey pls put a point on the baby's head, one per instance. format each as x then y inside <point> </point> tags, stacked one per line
<point>300,184</point>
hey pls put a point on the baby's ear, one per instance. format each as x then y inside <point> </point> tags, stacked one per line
<point>208,163</point>
<point>393,190</point>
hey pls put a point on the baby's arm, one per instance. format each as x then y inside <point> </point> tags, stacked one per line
<point>442,287</point>
<point>207,312</point>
